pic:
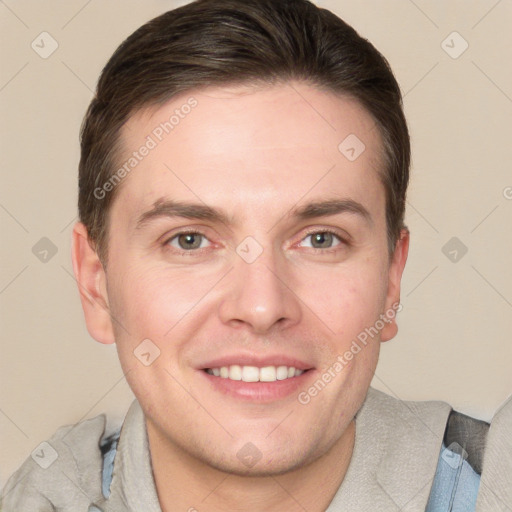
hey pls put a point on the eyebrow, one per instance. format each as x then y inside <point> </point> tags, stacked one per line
<point>332,207</point>
<point>170,208</point>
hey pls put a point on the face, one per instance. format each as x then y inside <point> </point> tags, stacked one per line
<point>249,252</point>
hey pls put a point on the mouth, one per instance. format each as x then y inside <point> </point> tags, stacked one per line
<point>236,372</point>
<point>257,380</point>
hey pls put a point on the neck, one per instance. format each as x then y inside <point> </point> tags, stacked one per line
<point>186,483</point>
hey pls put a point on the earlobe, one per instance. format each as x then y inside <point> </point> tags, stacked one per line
<point>91,280</point>
<point>394,280</point>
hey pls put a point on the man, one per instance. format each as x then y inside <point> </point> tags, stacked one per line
<point>242,190</point>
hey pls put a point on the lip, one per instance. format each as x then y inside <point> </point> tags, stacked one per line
<point>260,392</point>
<point>244,359</point>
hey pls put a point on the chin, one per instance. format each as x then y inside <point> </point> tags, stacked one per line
<point>264,467</point>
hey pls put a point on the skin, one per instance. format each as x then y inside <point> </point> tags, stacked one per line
<point>256,153</point>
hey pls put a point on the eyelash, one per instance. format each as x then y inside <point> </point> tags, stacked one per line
<point>343,241</point>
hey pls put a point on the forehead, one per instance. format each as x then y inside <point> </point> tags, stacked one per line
<point>245,149</point>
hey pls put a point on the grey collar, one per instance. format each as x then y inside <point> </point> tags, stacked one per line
<point>133,486</point>
<point>395,455</point>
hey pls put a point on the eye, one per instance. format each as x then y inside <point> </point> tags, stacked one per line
<point>322,240</point>
<point>188,241</point>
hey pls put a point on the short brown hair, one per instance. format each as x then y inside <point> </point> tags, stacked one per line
<point>227,42</point>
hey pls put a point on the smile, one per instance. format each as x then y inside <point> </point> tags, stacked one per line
<point>254,373</point>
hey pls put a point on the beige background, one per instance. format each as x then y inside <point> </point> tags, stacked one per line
<point>454,342</point>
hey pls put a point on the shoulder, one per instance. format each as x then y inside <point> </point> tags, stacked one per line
<point>460,433</point>
<point>395,454</point>
<point>65,469</point>
<point>389,411</point>
<point>437,449</point>
<point>496,489</point>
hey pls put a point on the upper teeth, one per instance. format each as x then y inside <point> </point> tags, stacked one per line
<point>255,374</point>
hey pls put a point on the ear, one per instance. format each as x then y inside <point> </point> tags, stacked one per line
<point>396,269</point>
<point>91,279</point>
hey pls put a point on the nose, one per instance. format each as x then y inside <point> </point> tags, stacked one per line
<point>258,296</point>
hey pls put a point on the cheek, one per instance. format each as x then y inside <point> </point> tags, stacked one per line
<point>147,302</point>
<point>163,305</point>
<point>346,299</point>
<point>151,300</point>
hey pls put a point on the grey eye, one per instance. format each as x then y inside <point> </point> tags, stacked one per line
<point>188,241</point>
<point>322,240</point>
